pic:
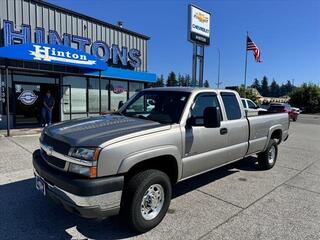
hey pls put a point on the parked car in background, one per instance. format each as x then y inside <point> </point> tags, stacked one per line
<point>283,107</point>
<point>297,110</point>
<point>251,108</point>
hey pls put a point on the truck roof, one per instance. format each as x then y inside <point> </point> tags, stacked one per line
<point>186,89</point>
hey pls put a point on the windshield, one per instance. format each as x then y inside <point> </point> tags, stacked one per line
<point>159,106</point>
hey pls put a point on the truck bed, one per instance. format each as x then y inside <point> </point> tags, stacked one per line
<point>260,127</point>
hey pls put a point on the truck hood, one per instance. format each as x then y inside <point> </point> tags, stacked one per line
<point>94,131</point>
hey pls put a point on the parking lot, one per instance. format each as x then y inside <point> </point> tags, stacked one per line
<point>234,202</point>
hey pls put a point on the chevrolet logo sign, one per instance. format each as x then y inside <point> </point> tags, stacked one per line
<point>201,17</point>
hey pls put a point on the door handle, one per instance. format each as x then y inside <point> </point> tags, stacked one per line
<point>223,131</point>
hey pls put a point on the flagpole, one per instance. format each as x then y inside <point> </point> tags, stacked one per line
<point>245,66</point>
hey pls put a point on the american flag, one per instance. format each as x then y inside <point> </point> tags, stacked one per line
<point>251,46</point>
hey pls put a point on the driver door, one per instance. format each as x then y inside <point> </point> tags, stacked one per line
<point>204,147</point>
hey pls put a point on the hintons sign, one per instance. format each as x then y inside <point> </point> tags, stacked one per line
<point>49,54</point>
<point>125,57</point>
<point>55,54</point>
<point>199,25</point>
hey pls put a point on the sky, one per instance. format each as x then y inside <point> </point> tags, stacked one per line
<point>287,33</point>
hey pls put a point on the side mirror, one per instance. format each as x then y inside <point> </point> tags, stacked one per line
<point>211,117</point>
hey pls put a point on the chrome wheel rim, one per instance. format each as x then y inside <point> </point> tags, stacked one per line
<point>152,202</point>
<point>271,155</point>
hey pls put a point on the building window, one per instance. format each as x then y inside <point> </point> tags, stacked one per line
<point>78,94</point>
<point>105,85</point>
<point>93,95</point>
<point>135,87</point>
<point>118,93</point>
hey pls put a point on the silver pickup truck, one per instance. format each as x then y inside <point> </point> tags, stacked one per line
<point>127,162</point>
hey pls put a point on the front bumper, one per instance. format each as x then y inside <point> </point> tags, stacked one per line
<point>89,198</point>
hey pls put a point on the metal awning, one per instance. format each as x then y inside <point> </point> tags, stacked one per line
<point>55,54</point>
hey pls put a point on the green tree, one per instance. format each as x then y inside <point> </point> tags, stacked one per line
<point>274,89</point>
<point>264,87</point>
<point>159,82</point>
<point>246,93</point>
<point>307,96</point>
<point>172,80</point>
<point>206,84</point>
<point>256,84</point>
<point>187,80</point>
<point>181,80</point>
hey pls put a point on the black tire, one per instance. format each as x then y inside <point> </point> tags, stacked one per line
<point>295,119</point>
<point>133,194</point>
<point>263,158</point>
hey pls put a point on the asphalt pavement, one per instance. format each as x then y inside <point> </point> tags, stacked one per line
<point>237,201</point>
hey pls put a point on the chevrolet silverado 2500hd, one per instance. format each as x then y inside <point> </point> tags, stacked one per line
<point>127,162</point>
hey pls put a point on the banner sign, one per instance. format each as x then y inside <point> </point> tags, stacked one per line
<point>56,54</point>
<point>199,26</point>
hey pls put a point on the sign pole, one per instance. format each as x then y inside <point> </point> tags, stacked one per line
<point>245,67</point>
<point>194,65</point>
<point>201,59</point>
<point>7,99</point>
<point>100,92</point>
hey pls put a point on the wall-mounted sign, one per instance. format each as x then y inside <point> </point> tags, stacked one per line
<point>199,25</point>
<point>28,97</point>
<point>118,89</point>
<point>53,53</point>
<point>115,56</point>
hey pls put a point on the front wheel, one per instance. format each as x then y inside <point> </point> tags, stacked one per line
<point>146,199</point>
<point>268,158</point>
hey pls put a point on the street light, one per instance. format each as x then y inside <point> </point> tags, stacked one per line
<point>218,82</point>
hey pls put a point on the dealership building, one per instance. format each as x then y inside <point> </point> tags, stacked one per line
<point>88,65</point>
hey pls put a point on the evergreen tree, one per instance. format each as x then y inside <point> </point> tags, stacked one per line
<point>181,80</point>
<point>172,80</point>
<point>283,90</point>
<point>256,84</point>
<point>206,84</point>
<point>159,82</point>
<point>187,79</point>
<point>264,87</point>
<point>274,89</point>
<point>289,87</point>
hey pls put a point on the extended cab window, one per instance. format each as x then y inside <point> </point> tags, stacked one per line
<point>231,105</point>
<point>201,103</point>
<point>244,103</point>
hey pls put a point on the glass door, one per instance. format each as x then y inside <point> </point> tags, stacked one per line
<point>66,107</point>
<point>27,99</point>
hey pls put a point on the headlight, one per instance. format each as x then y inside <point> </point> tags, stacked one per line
<point>88,154</point>
<point>83,170</point>
<point>87,165</point>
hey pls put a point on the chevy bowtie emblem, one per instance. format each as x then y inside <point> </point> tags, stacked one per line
<point>28,97</point>
<point>201,17</point>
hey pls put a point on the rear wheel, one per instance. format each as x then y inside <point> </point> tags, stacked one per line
<point>146,199</point>
<point>268,158</point>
